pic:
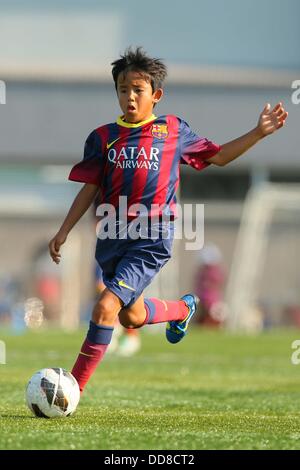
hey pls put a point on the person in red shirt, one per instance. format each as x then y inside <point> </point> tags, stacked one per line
<point>209,286</point>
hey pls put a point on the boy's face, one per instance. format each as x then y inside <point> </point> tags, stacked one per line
<point>136,97</point>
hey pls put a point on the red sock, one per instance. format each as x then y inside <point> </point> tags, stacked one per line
<point>92,352</point>
<point>160,311</point>
<point>88,359</point>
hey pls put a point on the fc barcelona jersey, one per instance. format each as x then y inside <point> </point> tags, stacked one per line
<point>141,161</point>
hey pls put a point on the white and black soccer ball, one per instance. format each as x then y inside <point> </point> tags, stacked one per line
<point>52,393</point>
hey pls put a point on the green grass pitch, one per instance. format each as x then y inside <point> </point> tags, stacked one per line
<point>212,391</point>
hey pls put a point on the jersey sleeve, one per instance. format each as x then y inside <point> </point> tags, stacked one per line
<point>90,168</point>
<point>195,150</point>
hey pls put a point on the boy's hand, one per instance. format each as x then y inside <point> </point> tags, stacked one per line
<point>271,120</point>
<point>55,244</point>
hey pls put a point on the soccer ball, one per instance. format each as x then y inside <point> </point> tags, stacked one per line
<point>52,393</point>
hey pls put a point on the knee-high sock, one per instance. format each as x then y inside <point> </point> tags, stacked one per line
<point>92,352</point>
<point>160,311</point>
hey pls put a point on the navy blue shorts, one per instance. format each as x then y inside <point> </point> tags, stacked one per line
<point>128,266</point>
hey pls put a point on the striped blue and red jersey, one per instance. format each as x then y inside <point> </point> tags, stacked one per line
<point>141,161</point>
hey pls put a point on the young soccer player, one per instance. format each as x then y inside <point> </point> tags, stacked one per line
<point>138,156</point>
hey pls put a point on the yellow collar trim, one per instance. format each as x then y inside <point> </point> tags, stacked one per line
<point>137,124</point>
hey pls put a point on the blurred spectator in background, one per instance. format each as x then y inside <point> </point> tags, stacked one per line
<point>209,286</point>
<point>10,294</point>
<point>291,315</point>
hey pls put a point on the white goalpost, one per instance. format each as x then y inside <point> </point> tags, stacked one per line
<point>260,208</point>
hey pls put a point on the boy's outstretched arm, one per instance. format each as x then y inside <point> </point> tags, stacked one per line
<point>269,122</point>
<point>81,203</point>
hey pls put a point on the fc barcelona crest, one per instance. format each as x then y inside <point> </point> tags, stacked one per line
<point>160,131</point>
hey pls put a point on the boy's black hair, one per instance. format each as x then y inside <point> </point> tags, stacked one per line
<point>153,70</point>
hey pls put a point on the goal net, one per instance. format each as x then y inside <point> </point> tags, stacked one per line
<point>263,286</point>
